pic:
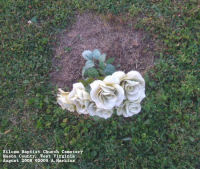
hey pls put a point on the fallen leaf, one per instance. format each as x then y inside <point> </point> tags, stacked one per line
<point>7,131</point>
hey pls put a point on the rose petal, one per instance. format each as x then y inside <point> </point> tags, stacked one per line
<point>111,79</point>
<point>134,75</point>
<point>128,109</point>
<point>120,75</point>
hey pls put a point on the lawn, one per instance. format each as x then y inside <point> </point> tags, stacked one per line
<point>164,135</point>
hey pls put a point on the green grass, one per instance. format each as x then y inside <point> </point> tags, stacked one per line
<point>166,133</point>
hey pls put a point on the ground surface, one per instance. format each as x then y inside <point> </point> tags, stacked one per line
<point>165,135</point>
<point>128,46</point>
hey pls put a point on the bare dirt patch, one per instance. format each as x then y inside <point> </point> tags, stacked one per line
<point>111,35</point>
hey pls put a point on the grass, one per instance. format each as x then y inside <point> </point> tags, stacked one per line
<point>165,135</point>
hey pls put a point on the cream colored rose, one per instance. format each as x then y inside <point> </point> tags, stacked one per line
<point>80,98</point>
<point>133,85</point>
<point>107,93</point>
<point>128,108</point>
<point>103,113</point>
<point>64,101</point>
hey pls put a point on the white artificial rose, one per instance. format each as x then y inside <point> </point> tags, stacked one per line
<point>128,108</point>
<point>107,93</point>
<point>133,85</point>
<point>93,110</point>
<point>64,101</point>
<point>80,98</point>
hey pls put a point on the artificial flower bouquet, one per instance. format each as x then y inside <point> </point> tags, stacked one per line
<point>118,92</point>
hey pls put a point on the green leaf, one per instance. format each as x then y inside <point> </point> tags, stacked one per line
<point>96,54</point>
<point>39,124</point>
<point>102,58</point>
<point>67,49</point>
<point>91,73</point>
<point>110,69</point>
<point>101,65</point>
<point>87,55</point>
<point>83,71</point>
<point>88,88</point>
<point>86,82</point>
<point>191,139</point>
<point>34,19</point>
<point>96,118</point>
<point>88,65</point>
<point>101,72</point>
<point>110,60</point>
<point>26,81</point>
